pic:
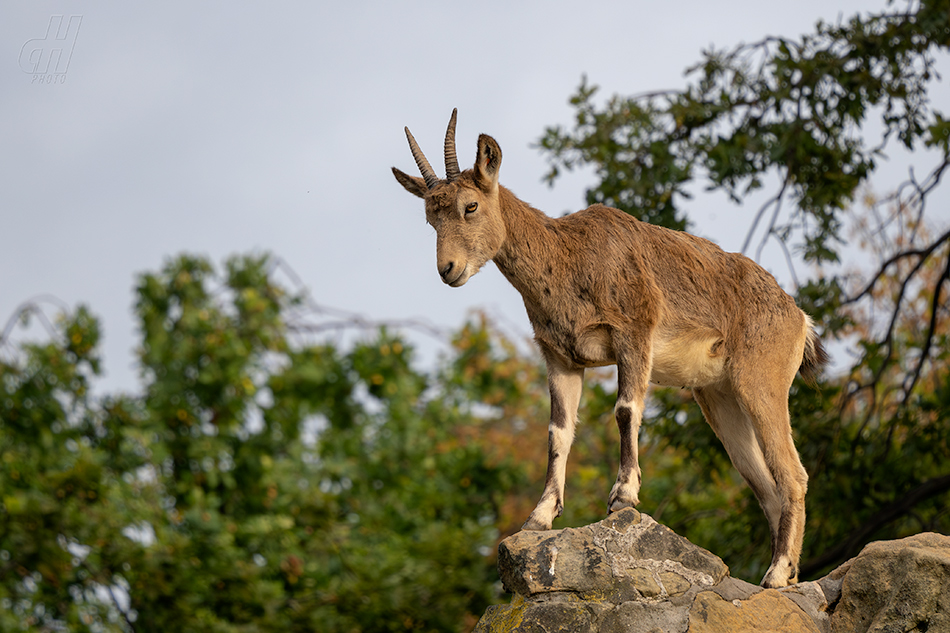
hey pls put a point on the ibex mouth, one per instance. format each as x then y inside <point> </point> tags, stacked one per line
<point>459,280</point>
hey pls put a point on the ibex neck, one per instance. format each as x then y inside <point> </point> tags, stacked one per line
<point>530,242</point>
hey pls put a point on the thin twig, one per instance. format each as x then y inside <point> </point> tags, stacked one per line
<point>928,339</point>
<point>923,253</point>
<point>33,306</point>
<point>776,200</point>
<point>343,319</point>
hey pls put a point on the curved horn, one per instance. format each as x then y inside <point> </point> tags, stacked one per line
<point>451,160</point>
<point>427,174</point>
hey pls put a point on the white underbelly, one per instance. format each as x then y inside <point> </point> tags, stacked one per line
<point>696,359</point>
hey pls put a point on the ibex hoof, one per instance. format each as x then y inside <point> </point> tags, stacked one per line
<point>622,497</point>
<point>779,576</point>
<point>536,525</point>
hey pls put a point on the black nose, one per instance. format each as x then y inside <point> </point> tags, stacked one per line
<point>446,270</point>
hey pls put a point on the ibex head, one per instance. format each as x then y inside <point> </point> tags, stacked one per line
<point>463,208</point>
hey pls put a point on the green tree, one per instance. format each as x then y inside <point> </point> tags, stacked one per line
<point>798,116</point>
<point>261,479</point>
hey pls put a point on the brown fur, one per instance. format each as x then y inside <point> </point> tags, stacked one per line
<point>602,288</point>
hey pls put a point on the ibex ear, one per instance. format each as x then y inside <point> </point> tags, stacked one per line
<point>487,162</point>
<point>415,186</point>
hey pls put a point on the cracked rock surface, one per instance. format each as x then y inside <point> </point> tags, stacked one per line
<point>629,573</point>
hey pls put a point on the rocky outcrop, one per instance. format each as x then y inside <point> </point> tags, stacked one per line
<point>629,573</point>
<point>901,585</point>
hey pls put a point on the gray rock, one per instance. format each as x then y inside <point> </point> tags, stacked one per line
<point>734,589</point>
<point>767,612</point>
<point>625,573</point>
<point>555,560</point>
<point>628,573</point>
<point>901,585</point>
<point>639,617</point>
<point>623,552</point>
<point>831,587</point>
<point>810,597</point>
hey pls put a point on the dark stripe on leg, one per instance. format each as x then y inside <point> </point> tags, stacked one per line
<point>784,533</point>
<point>551,486</point>
<point>781,543</point>
<point>552,455</point>
<point>559,416</point>
<point>625,424</point>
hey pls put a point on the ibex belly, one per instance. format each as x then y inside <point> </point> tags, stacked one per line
<point>688,360</point>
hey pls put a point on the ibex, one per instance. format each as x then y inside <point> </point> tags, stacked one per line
<point>603,288</point>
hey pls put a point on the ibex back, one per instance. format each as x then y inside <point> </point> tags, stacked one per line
<point>603,288</point>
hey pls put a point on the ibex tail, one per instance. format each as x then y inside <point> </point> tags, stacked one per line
<point>815,357</point>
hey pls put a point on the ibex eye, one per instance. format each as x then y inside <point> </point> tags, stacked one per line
<point>470,207</point>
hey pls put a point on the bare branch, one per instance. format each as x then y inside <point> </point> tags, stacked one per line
<point>34,307</point>
<point>359,322</point>
<point>928,339</point>
<point>923,253</point>
<point>775,200</point>
<point>888,356</point>
<point>302,322</point>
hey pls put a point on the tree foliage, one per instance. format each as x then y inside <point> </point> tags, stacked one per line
<point>811,120</point>
<point>259,481</point>
<point>798,110</point>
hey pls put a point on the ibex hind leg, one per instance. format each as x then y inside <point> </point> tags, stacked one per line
<point>740,436</point>
<point>769,415</point>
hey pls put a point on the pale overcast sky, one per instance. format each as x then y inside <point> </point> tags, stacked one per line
<point>221,127</point>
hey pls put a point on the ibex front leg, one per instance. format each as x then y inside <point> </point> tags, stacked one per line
<point>633,371</point>
<point>565,386</point>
